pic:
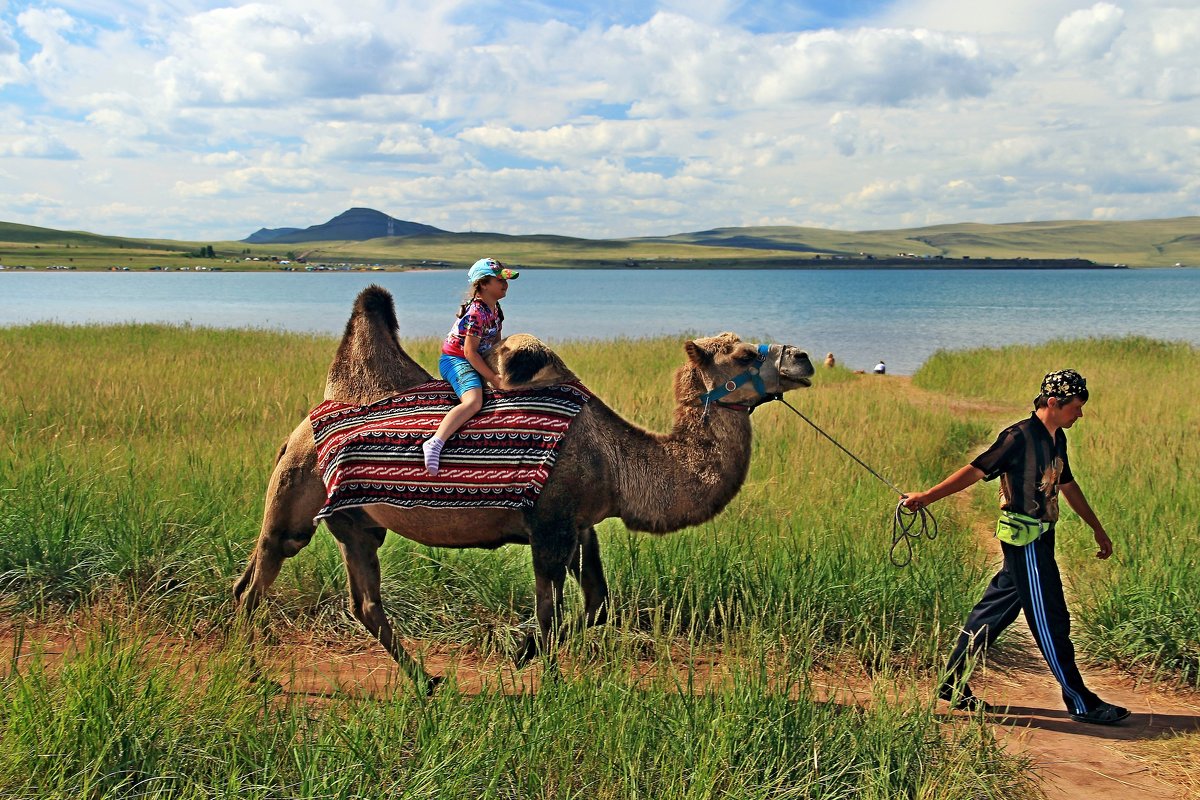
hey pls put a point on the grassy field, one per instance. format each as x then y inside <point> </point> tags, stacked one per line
<point>132,468</point>
<point>1136,243</point>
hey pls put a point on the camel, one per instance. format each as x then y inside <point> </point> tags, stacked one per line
<point>606,467</point>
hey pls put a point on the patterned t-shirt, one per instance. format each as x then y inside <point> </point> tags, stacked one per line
<point>478,320</point>
<point>1031,466</point>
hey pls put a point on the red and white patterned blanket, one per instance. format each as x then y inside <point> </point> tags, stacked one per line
<point>499,459</point>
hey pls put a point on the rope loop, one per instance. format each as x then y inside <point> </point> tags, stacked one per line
<point>906,530</point>
<point>908,525</point>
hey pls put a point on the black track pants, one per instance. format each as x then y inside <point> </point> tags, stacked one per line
<point>1029,581</point>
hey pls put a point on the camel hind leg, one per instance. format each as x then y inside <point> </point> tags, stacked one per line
<point>359,540</point>
<point>294,496</point>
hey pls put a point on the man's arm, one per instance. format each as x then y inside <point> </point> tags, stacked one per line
<point>967,476</point>
<point>1080,506</point>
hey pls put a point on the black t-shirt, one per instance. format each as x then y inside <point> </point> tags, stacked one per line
<point>1031,466</point>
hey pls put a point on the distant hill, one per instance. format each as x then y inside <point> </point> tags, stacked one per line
<point>354,225</point>
<point>1161,242</point>
<point>14,233</point>
<point>363,235</point>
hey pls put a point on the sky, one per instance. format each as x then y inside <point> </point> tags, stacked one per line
<point>206,120</point>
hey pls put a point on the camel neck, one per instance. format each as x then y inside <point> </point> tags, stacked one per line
<point>670,481</point>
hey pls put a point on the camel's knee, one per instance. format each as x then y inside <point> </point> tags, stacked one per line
<point>369,613</point>
<point>293,542</point>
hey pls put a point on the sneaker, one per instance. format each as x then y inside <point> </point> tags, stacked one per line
<point>1103,714</point>
<point>965,701</point>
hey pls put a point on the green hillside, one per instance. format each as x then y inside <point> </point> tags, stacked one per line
<point>1135,243</point>
<point>1164,242</point>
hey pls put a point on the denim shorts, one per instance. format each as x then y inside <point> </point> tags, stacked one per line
<point>459,373</point>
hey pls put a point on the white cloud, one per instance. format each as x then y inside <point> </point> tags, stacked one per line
<point>1089,33</point>
<point>33,203</point>
<point>11,68</point>
<point>39,146</point>
<point>229,158</point>
<point>1161,59</point>
<point>339,140</point>
<point>259,54</point>
<point>885,67</point>
<point>1021,18</point>
<point>115,122</point>
<point>251,181</point>
<point>849,138</point>
<point>211,114</point>
<point>46,28</point>
<point>570,142</point>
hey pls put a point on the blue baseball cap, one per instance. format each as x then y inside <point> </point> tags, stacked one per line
<point>490,268</point>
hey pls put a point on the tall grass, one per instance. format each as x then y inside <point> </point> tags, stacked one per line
<point>114,723</point>
<point>132,469</point>
<point>1135,454</point>
<point>136,457</point>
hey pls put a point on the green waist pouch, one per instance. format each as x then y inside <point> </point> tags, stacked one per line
<point>1019,529</point>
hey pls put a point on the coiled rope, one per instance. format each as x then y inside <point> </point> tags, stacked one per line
<point>907,525</point>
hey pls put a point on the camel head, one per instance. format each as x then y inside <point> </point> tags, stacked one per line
<point>725,370</point>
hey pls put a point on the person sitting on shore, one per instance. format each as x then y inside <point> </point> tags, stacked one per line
<point>880,368</point>
<point>829,360</point>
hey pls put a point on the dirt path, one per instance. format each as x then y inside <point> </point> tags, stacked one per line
<point>1074,761</point>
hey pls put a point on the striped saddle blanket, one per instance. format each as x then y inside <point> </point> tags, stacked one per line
<point>499,459</point>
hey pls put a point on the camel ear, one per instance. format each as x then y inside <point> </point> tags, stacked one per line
<point>697,355</point>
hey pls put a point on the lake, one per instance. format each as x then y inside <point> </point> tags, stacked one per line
<point>899,316</point>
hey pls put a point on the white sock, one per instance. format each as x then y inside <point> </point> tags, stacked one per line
<point>432,448</point>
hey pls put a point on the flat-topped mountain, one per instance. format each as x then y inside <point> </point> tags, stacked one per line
<point>354,225</point>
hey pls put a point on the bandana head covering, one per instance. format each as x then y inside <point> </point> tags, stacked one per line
<point>1063,384</point>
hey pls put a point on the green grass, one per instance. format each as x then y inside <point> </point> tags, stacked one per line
<point>137,457</point>
<point>114,723</point>
<point>132,469</point>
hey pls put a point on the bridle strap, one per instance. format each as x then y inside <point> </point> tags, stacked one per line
<point>753,376</point>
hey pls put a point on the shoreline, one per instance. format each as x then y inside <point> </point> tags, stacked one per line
<point>799,265</point>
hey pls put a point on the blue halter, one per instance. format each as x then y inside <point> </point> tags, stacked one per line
<point>751,375</point>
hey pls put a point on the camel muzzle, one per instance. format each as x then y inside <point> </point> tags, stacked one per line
<point>763,373</point>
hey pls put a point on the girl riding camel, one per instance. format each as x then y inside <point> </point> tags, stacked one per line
<point>462,365</point>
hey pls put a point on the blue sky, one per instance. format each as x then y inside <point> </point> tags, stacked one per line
<point>202,119</point>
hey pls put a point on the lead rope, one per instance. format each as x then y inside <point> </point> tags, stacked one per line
<point>908,526</point>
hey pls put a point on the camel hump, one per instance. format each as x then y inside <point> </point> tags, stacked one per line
<point>375,302</point>
<point>370,362</point>
<point>526,362</point>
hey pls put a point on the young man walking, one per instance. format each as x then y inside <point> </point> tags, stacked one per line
<point>1030,458</point>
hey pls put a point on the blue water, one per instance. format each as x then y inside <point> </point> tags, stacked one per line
<point>899,316</point>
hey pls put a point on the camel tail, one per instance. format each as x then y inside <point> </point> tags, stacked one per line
<point>370,363</point>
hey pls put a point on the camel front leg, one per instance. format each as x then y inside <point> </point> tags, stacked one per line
<point>359,542</point>
<point>588,570</point>
<point>551,554</point>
